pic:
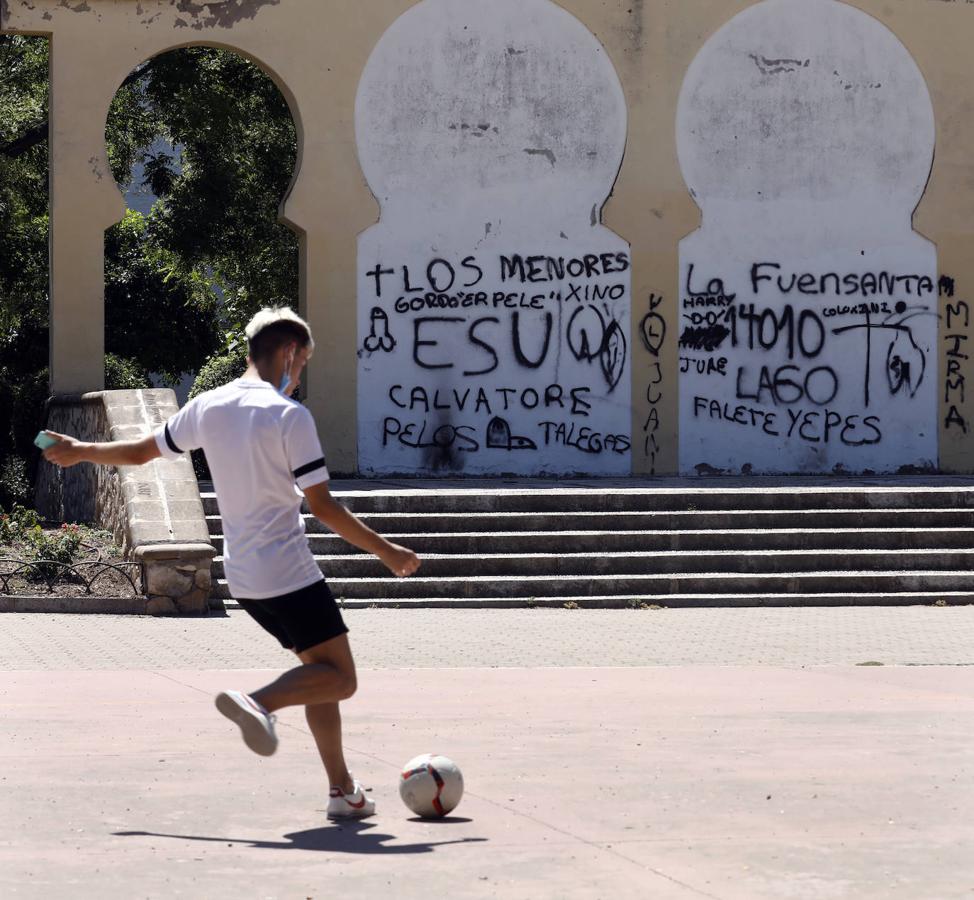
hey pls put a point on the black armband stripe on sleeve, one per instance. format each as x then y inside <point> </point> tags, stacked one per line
<point>170,442</point>
<point>309,468</point>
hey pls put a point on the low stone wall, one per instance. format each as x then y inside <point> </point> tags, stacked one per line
<point>154,511</point>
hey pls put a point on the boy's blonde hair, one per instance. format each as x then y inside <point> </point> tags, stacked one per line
<point>273,327</point>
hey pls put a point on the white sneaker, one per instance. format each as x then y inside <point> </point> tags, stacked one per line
<point>350,806</point>
<point>256,724</point>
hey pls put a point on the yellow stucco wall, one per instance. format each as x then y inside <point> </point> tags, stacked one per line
<point>316,51</point>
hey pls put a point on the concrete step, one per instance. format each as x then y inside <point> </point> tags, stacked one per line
<point>798,584</point>
<point>723,520</point>
<point>677,499</point>
<point>652,585</point>
<point>674,542</point>
<point>651,541</point>
<point>529,565</point>
<point>669,601</point>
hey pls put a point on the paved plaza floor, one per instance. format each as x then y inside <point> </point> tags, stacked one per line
<point>824,753</point>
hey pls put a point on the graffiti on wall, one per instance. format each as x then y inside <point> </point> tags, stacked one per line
<point>809,307</point>
<point>836,376</point>
<point>498,355</point>
<point>957,321</point>
<point>493,307</point>
<point>652,330</point>
<point>955,342</point>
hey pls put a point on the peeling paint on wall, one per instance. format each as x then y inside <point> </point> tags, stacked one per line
<point>196,15</point>
<point>224,14</point>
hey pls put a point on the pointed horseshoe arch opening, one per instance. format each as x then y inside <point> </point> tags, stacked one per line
<point>205,145</point>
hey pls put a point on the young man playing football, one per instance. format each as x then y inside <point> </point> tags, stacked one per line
<point>263,451</point>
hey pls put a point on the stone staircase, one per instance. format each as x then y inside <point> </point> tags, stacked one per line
<point>666,542</point>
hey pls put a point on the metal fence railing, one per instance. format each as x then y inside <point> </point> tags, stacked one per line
<point>27,576</point>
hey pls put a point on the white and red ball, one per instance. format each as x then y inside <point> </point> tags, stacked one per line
<point>431,785</point>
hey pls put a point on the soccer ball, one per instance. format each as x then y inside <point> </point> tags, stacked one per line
<point>431,786</point>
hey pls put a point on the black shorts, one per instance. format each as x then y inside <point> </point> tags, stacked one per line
<point>299,620</point>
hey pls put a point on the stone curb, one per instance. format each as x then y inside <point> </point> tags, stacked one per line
<point>105,606</point>
<point>116,606</point>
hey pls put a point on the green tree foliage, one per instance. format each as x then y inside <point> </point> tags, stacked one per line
<point>23,199</point>
<point>238,150</point>
<point>181,281</point>
<point>220,370</point>
<point>157,313</point>
<point>23,251</point>
<point>124,374</point>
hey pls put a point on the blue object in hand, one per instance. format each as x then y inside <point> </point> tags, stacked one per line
<point>44,440</point>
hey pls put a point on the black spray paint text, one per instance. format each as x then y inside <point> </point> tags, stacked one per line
<point>442,276</point>
<point>579,293</point>
<point>865,284</point>
<point>424,435</point>
<point>812,426</point>
<point>484,401</point>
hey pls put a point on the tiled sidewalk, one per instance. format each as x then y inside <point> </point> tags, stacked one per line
<point>385,639</point>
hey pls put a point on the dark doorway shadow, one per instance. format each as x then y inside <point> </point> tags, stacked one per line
<point>348,837</point>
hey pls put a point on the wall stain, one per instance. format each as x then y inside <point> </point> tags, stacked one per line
<point>631,27</point>
<point>857,86</point>
<point>548,154</point>
<point>226,15</point>
<point>703,469</point>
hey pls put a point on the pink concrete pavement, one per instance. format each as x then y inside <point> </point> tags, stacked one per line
<point>582,783</point>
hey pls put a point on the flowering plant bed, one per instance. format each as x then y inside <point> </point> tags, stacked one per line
<point>64,560</point>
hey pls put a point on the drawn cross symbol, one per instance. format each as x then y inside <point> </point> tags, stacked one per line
<point>906,363</point>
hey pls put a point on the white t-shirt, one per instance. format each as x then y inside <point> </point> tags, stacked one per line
<point>261,448</point>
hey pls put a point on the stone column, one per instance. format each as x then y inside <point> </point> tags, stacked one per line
<point>84,202</point>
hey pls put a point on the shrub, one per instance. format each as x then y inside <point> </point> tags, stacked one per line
<point>15,524</point>
<point>62,547</point>
<point>14,483</point>
<point>220,370</point>
<point>123,374</point>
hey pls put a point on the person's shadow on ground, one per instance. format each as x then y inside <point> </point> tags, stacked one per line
<point>349,837</point>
